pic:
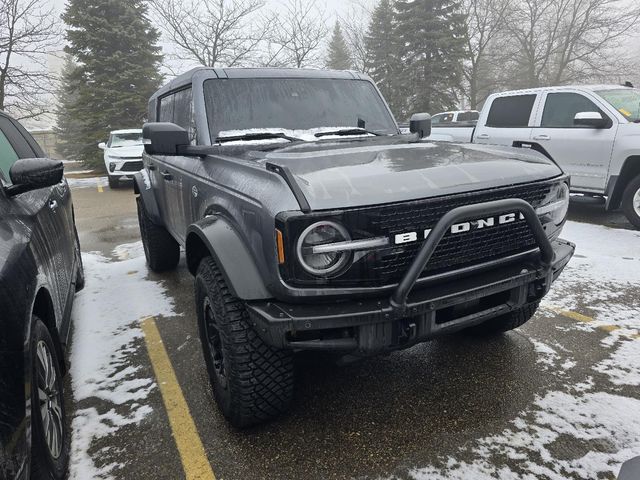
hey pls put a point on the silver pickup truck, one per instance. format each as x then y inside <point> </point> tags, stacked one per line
<point>592,132</point>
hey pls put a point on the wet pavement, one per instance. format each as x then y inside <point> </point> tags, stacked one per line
<point>557,398</point>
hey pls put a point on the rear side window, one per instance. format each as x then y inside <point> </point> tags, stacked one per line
<point>166,109</point>
<point>8,156</point>
<point>178,108</point>
<point>511,112</point>
<point>468,116</point>
<point>183,110</point>
<point>561,108</point>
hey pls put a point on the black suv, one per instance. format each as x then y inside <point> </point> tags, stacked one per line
<point>311,223</point>
<point>40,271</point>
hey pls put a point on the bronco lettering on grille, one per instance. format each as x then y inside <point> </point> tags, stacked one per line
<point>479,224</point>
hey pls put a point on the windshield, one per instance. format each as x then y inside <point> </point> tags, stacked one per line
<point>294,104</point>
<point>125,139</point>
<point>625,100</point>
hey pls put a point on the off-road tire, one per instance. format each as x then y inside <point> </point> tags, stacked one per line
<point>505,322</point>
<point>114,182</point>
<point>631,212</point>
<point>44,466</point>
<point>160,248</point>
<point>257,383</point>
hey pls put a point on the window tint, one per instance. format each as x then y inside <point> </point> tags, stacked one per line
<point>442,118</point>
<point>511,112</point>
<point>8,156</point>
<point>560,109</point>
<point>468,116</point>
<point>182,111</point>
<point>166,109</point>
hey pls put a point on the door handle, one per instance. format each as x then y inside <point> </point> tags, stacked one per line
<point>167,176</point>
<point>483,136</point>
<point>542,137</point>
<point>53,204</point>
<point>151,166</point>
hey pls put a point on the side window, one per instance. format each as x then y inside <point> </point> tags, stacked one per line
<point>183,111</point>
<point>436,119</point>
<point>511,112</point>
<point>561,108</point>
<point>166,109</point>
<point>8,156</point>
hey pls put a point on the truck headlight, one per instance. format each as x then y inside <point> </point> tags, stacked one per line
<point>556,204</point>
<point>322,264</point>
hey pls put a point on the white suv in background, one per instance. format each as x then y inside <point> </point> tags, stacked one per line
<point>122,154</point>
<point>592,132</point>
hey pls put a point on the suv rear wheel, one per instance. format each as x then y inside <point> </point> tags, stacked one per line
<point>50,436</point>
<point>251,381</point>
<point>631,201</point>
<point>160,248</point>
<point>506,322</point>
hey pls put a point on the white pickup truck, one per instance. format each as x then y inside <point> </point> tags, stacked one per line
<point>592,132</point>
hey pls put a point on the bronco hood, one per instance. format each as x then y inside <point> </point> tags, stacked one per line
<point>376,171</point>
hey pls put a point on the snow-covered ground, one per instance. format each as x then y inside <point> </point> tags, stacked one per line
<point>88,182</point>
<point>106,317</point>
<point>602,280</point>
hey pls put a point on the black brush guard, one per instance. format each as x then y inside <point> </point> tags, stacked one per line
<point>376,323</point>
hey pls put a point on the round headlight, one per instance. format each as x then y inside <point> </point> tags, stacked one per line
<point>558,215</point>
<point>321,233</point>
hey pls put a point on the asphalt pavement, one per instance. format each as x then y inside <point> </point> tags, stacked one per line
<point>553,399</point>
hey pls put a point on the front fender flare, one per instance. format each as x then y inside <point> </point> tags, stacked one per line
<point>224,244</point>
<point>142,187</point>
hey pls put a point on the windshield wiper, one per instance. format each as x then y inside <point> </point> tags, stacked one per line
<point>257,136</point>
<point>347,131</point>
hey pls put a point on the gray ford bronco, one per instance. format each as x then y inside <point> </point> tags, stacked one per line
<point>311,223</point>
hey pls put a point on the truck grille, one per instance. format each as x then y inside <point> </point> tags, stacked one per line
<point>388,265</point>
<point>131,166</point>
<point>454,251</point>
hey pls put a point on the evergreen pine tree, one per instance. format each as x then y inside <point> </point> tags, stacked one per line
<point>339,57</point>
<point>431,36</point>
<point>116,70</point>
<point>67,121</point>
<point>382,56</point>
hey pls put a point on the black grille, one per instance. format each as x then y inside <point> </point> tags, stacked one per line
<point>131,166</point>
<point>455,251</point>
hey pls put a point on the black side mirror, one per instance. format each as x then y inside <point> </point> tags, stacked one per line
<point>420,124</point>
<point>163,138</point>
<point>591,119</point>
<point>33,173</point>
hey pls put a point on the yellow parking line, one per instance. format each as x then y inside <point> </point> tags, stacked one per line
<point>194,459</point>
<point>100,190</point>
<point>585,319</point>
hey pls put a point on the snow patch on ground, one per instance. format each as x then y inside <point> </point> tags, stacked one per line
<point>607,425</point>
<point>105,317</point>
<point>623,366</point>
<point>90,182</point>
<point>546,355</point>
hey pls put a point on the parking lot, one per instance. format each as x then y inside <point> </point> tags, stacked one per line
<point>556,399</point>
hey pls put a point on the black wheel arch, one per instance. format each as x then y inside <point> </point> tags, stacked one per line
<point>618,183</point>
<point>142,188</point>
<point>214,236</point>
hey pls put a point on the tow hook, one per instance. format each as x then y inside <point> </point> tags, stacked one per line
<point>407,333</point>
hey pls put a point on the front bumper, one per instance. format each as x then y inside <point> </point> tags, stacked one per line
<point>367,326</point>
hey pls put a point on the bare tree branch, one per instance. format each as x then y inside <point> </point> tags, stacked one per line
<point>28,32</point>
<point>298,30</point>
<point>212,32</point>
